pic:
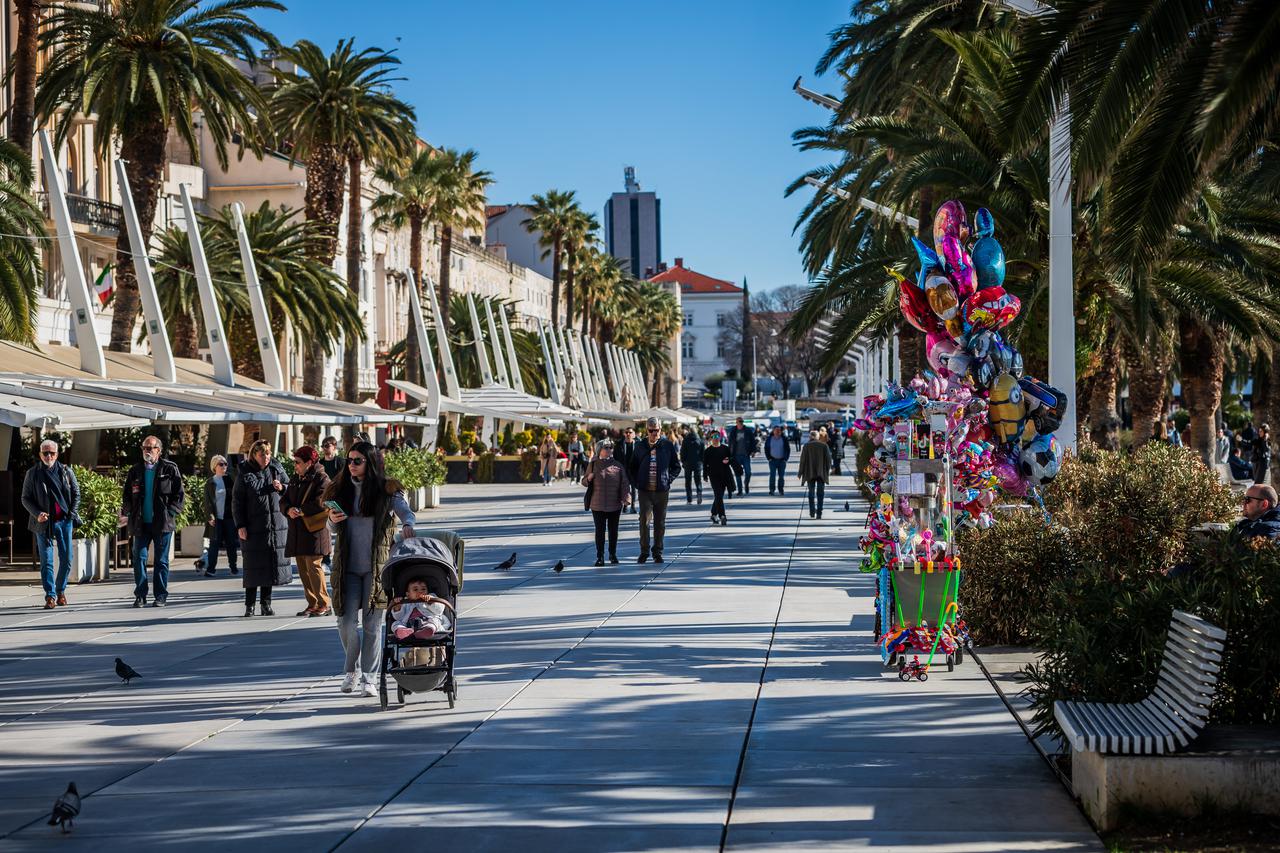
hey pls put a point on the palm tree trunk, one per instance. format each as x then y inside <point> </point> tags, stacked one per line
<point>355,217</point>
<point>586,314</point>
<point>555,283</point>
<point>144,154</point>
<point>1263,401</point>
<point>1104,420</point>
<point>412,356</point>
<point>185,336</point>
<point>570,253</point>
<point>22,112</point>
<point>446,261</point>
<point>1148,374</point>
<point>1201,359</point>
<point>326,169</point>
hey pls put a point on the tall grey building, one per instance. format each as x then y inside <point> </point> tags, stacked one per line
<point>633,227</point>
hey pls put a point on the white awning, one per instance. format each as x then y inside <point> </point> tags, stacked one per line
<point>61,417</point>
<point>448,404</point>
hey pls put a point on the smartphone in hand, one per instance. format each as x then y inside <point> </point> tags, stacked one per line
<point>334,506</point>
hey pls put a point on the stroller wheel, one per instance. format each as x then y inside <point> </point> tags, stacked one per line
<point>400,695</point>
<point>382,688</point>
<point>951,663</point>
<point>959,654</point>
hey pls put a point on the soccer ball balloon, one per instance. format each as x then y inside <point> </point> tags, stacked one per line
<point>1040,460</point>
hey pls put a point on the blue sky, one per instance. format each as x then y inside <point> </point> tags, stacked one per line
<point>564,93</point>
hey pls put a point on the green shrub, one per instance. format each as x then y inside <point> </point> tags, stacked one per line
<point>414,467</point>
<point>524,439</point>
<point>529,463</point>
<point>484,466</point>
<point>449,439</point>
<point>1133,512</point>
<point>1103,636</point>
<point>100,500</point>
<point>1005,568</point>
<point>193,501</point>
<point>508,439</point>
<point>467,438</point>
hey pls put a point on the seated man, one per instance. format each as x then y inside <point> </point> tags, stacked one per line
<point>1240,469</point>
<point>1261,515</point>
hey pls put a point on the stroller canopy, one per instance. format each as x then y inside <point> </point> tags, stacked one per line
<point>428,559</point>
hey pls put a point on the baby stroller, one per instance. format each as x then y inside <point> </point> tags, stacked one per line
<point>419,665</point>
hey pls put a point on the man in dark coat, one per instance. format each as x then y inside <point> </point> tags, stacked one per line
<point>691,458</point>
<point>51,496</point>
<point>655,466</point>
<point>777,450</point>
<point>742,446</point>
<point>1261,515</point>
<point>626,454</point>
<point>153,500</point>
<point>263,529</point>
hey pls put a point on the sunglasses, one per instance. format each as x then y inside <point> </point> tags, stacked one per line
<point>652,431</point>
<point>1248,498</point>
<point>220,465</point>
<point>147,448</point>
<point>48,453</point>
<point>355,461</point>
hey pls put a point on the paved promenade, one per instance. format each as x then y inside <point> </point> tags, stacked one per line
<point>727,699</point>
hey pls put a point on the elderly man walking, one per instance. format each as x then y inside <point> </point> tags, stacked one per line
<point>654,467</point>
<point>153,500</point>
<point>742,446</point>
<point>51,495</point>
<point>777,450</point>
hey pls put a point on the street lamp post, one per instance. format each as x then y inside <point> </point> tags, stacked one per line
<point>755,379</point>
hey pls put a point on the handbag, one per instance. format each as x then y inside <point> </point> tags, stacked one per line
<point>316,521</point>
<point>591,488</point>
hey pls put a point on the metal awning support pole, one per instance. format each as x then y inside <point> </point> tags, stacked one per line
<point>222,371</point>
<point>442,342</point>
<point>516,378</point>
<point>92,359</point>
<point>486,374</point>
<point>593,349</point>
<point>615,375</point>
<point>271,371</point>
<point>424,348</point>
<point>557,366</point>
<point>496,342</point>
<point>157,334</point>
<point>553,381</point>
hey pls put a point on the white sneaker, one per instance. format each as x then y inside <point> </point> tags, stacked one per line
<point>370,685</point>
<point>349,682</point>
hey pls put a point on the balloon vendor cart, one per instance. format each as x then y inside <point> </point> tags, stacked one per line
<point>949,441</point>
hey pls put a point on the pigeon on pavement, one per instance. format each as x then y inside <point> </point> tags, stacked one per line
<point>125,671</point>
<point>507,563</point>
<point>559,567</point>
<point>66,808</point>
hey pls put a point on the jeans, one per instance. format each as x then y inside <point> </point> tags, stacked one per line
<point>361,650</point>
<point>225,538</point>
<point>778,471</point>
<point>692,477</point>
<point>717,505</point>
<point>653,505</point>
<point>59,534</point>
<point>821,487</point>
<point>742,473</point>
<point>610,520</point>
<point>141,543</point>
<point>548,469</point>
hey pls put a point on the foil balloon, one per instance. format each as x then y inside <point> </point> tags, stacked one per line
<point>949,221</point>
<point>915,307</point>
<point>986,252</point>
<point>1010,478</point>
<point>984,224</point>
<point>1005,356</point>
<point>959,267</point>
<point>1008,408</point>
<point>942,299</point>
<point>940,349</point>
<point>1040,460</point>
<point>991,308</point>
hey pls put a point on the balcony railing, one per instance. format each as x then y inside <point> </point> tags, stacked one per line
<point>102,216</point>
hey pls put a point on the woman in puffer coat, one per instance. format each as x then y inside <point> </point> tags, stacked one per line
<point>263,529</point>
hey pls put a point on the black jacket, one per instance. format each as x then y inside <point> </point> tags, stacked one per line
<point>37,497</point>
<point>717,472</point>
<point>256,505</point>
<point>1266,525</point>
<point>731,438</point>
<point>668,464</point>
<point>167,497</point>
<point>625,453</point>
<point>691,452</point>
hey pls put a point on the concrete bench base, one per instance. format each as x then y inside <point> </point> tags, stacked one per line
<point>1232,767</point>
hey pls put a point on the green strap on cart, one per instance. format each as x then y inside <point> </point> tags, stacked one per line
<point>920,607</point>
<point>937,633</point>
<point>897,600</point>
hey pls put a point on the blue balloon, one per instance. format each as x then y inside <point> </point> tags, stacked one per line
<point>984,224</point>
<point>988,262</point>
<point>928,262</point>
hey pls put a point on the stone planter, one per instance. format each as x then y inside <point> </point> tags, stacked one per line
<point>191,542</point>
<point>84,559</point>
<point>432,497</point>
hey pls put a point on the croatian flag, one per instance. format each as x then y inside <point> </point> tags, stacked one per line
<point>105,285</point>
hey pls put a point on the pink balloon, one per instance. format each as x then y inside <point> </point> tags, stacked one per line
<point>959,267</point>
<point>938,348</point>
<point>949,221</point>
<point>1010,479</point>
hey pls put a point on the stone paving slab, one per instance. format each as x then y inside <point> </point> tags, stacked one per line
<point>600,709</point>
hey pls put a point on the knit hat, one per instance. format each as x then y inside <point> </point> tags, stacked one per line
<point>306,453</point>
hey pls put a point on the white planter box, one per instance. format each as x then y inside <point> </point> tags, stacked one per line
<point>431,497</point>
<point>84,559</point>
<point>192,541</point>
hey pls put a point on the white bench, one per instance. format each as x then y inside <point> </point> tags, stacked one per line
<point>1174,713</point>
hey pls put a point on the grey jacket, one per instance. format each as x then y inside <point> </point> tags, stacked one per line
<point>36,497</point>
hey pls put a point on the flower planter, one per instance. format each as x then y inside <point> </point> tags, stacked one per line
<point>191,541</point>
<point>84,559</point>
<point>432,497</point>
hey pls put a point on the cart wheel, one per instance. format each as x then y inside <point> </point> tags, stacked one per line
<point>924,676</point>
<point>959,654</point>
<point>382,688</point>
<point>893,659</point>
<point>453,695</point>
<point>400,695</point>
<point>951,663</point>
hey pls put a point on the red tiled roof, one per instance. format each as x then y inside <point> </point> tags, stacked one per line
<point>694,282</point>
<point>492,210</point>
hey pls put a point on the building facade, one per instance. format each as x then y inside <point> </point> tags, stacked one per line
<point>707,304</point>
<point>633,227</point>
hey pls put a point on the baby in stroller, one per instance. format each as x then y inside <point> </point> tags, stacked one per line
<point>419,614</point>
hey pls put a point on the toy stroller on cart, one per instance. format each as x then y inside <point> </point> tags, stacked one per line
<point>414,664</point>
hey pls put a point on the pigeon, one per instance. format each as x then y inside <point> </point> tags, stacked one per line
<point>507,563</point>
<point>846,506</point>
<point>559,567</point>
<point>125,671</point>
<point>66,808</point>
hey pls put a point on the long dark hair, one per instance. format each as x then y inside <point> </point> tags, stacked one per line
<point>372,484</point>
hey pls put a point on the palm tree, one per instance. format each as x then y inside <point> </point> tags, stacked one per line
<point>174,273</point>
<point>549,218</point>
<point>22,112</point>
<point>144,67</point>
<point>335,111</point>
<point>580,229</point>
<point>21,228</point>
<point>650,319</point>
<point>459,205</point>
<point>601,274</point>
